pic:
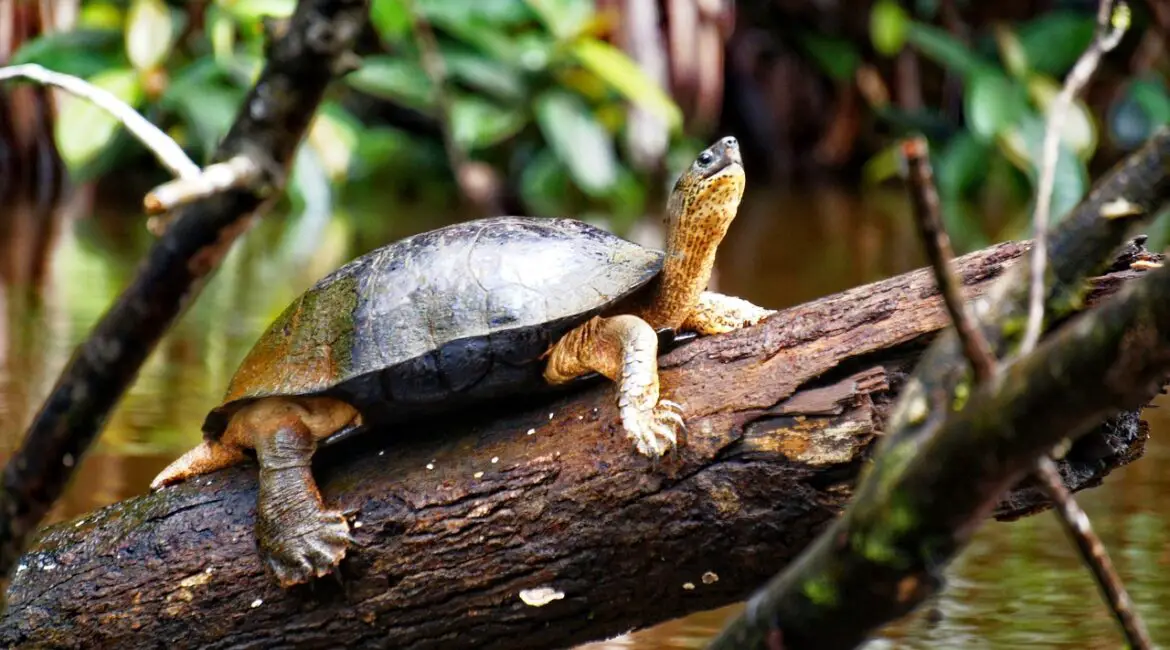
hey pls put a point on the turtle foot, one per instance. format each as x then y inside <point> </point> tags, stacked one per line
<point>657,430</point>
<point>314,551</point>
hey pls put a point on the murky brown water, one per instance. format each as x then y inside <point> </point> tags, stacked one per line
<point>1018,584</point>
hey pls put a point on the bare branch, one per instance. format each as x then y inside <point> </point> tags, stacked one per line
<point>1111,26</point>
<point>240,171</point>
<point>168,152</point>
<point>924,196</point>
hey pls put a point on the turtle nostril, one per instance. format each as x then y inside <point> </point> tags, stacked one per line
<point>730,141</point>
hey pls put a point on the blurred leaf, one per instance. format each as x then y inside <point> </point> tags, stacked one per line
<point>837,57</point>
<point>961,165</point>
<point>544,184</point>
<point>382,146</point>
<point>939,46</point>
<point>80,53</point>
<point>883,165</point>
<point>486,75</point>
<point>580,143</point>
<point>497,13</point>
<point>489,39</point>
<point>1011,52</point>
<point>623,74</point>
<point>391,18</point>
<point>564,18</point>
<point>1143,107</point>
<point>206,104</point>
<point>1023,146</point>
<point>334,135</point>
<point>1079,131</point>
<point>888,25</point>
<point>99,15</point>
<point>395,79</point>
<point>477,123</point>
<point>1053,41</point>
<point>992,103</point>
<point>82,129</point>
<point>627,199</point>
<point>150,33</point>
<point>221,31</point>
<point>253,10</point>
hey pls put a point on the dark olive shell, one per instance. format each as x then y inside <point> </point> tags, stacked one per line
<point>455,314</point>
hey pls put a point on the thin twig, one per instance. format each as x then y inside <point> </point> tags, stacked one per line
<point>1111,26</point>
<point>168,152</point>
<point>924,196</point>
<point>1076,525</point>
<point>239,171</point>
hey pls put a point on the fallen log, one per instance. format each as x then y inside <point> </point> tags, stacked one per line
<point>538,528</point>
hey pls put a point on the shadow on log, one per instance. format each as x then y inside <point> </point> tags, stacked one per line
<point>540,529</point>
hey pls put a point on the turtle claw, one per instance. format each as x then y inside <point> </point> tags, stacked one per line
<point>656,431</point>
<point>312,552</point>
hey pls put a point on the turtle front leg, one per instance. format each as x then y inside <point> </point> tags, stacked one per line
<point>299,538</point>
<point>624,349</point>
<point>716,313</point>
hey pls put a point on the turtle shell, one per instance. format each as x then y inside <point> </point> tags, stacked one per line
<point>461,313</point>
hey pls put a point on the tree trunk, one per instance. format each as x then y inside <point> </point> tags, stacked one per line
<point>538,527</point>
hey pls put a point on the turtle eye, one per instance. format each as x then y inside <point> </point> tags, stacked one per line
<point>706,158</point>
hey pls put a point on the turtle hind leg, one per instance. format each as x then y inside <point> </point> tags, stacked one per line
<point>299,538</point>
<point>624,349</point>
<point>207,457</point>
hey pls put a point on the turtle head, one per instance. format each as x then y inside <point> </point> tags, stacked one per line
<point>706,195</point>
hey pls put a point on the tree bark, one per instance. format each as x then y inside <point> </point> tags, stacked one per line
<point>538,527</point>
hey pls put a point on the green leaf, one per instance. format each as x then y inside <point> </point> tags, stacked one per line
<point>962,165</point>
<point>392,19</point>
<point>837,57</point>
<point>888,25</point>
<point>578,140</point>
<point>619,71</point>
<point>494,13</point>
<point>251,11</point>
<point>1023,146</point>
<point>206,103</point>
<point>1143,107</point>
<point>100,15</point>
<point>544,184</point>
<point>992,103</point>
<point>939,46</point>
<point>83,130</point>
<point>566,19</point>
<point>487,75</point>
<point>477,123</point>
<point>150,33</point>
<point>395,79</point>
<point>80,53</point>
<point>1079,130</point>
<point>1052,42</point>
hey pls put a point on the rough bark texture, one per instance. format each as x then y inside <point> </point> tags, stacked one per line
<point>456,519</point>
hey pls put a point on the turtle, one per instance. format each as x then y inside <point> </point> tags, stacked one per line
<point>474,311</point>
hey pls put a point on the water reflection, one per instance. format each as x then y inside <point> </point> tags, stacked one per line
<point>1018,585</point>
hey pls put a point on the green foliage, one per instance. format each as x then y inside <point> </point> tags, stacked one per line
<point>533,90</point>
<point>1010,83</point>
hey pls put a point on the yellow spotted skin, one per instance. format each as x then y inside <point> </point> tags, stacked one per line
<point>623,346</point>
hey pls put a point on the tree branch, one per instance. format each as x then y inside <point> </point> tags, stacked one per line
<point>267,132</point>
<point>537,526</point>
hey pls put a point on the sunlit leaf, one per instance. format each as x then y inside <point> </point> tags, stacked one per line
<point>584,147</point>
<point>82,129</point>
<point>944,49</point>
<point>1023,146</point>
<point>477,123</point>
<point>564,18</point>
<point>395,79</point>
<point>100,15</point>
<point>837,57</point>
<point>1011,51</point>
<point>1052,42</point>
<point>992,103</point>
<point>80,53</point>
<point>391,18</point>
<point>254,10</point>
<point>888,24</point>
<point>334,135</point>
<point>1079,130</point>
<point>883,165</point>
<point>624,75</point>
<point>221,31</point>
<point>150,33</point>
